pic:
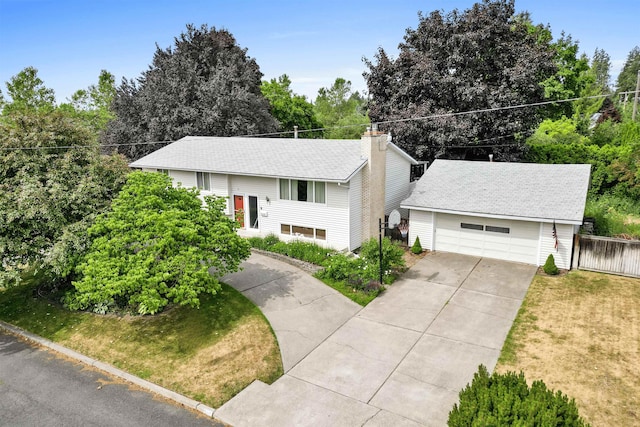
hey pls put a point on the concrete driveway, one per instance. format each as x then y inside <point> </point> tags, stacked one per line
<point>400,361</point>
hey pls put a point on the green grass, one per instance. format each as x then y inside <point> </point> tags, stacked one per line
<point>163,347</point>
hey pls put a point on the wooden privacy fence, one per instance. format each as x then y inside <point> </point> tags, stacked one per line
<point>607,255</point>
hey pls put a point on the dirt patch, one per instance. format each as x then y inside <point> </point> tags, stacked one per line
<point>410,259</point>
<point>580,333</point>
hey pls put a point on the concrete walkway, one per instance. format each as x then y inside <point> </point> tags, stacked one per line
<point>302,310</point>
<point>401,361</point>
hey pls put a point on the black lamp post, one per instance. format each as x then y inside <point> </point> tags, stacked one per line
<point>394,220</point>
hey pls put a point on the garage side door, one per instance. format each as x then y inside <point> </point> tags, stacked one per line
<point>493,238</point>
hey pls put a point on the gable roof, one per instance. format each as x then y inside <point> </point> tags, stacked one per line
<point>311,159</point>
<point>526,191</point>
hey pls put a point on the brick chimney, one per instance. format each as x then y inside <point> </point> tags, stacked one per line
<point>373,146</point>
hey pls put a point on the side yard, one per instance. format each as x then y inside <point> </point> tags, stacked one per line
<point>580,333</point>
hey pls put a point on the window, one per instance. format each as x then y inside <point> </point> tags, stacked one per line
<point>302,190</point>
<point>203,181</point>
<point>284,189</point>
<point>164,171</point>
<point>305,231</point>
<point>471,226</point>
<point>309,232</point>
<point>504,230</point>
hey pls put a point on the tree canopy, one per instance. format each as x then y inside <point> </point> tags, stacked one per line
<point>485,57</point>
<point>290,109</point>
<point>53,182</point>
<point>93,105</point>
<point>341,111</point>
<point>157,245</point>
<point>204,85</point>
<point>628,77</point>
<point>27,92</point>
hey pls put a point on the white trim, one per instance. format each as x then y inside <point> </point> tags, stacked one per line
<point>495,216</point>
<point>257,175</point>
<point>432,241</point>
<point>540,234</point>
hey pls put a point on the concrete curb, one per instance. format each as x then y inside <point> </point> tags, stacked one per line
<point>111,370</point>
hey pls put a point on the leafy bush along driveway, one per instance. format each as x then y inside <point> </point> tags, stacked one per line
<point>357,278</point>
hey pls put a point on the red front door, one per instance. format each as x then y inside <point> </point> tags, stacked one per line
<point>238,209</point>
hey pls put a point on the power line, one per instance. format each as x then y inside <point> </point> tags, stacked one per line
<point>404,120</point>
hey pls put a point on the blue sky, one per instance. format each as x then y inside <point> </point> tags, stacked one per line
<point>313,42</point>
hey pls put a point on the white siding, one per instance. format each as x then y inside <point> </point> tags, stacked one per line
<point>335,216</point>
<point>397,182</point>
<point>220,187</point>
<point>421,224</point>
<point>186,178</point>
<point>355,211</point>
<point>562,255</point>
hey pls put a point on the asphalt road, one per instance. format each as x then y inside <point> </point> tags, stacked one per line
<point>38,388</point>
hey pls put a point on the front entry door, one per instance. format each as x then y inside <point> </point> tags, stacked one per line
<point>238,209</point>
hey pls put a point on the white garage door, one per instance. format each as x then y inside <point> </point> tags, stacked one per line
<point>486,237</point>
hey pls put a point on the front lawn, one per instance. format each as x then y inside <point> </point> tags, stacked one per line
<point>208,354</point>
<point>579,334</point>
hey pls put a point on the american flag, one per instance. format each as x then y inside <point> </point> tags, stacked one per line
<point>555,236</point>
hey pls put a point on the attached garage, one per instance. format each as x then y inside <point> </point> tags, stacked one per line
<point>510,211</point>
<point>487,237</point>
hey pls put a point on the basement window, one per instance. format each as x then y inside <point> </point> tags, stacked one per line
<point>310,232</point>
<point>469,226</point>
<point>504,230</point>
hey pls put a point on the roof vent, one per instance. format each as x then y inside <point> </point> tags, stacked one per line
<point>491,157</point>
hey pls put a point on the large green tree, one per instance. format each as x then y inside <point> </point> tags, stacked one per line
<point>204,85</point>
<point>341,110</point>
<point>570,80</point>
<point>601,69</point>
<point>93,105</point>
<point>483,58</point>
<point>628,77</point>
<point>157,245</point>
<point>27,92</point>
<point>53,182</point>
<point>290,109</point>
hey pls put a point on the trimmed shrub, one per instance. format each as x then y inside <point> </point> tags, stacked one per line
<point>417,247</point>
<point>506,399</point>
<point>550,266</point>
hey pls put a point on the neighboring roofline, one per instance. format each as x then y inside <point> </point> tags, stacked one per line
<point>342,181</point>
<point>496,216</point>
<point>403,153</point>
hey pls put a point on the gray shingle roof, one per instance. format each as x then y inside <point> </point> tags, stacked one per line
<point>312,159</point>
<point>517,190</point>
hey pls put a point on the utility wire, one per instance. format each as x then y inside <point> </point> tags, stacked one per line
<point>404,120</point>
